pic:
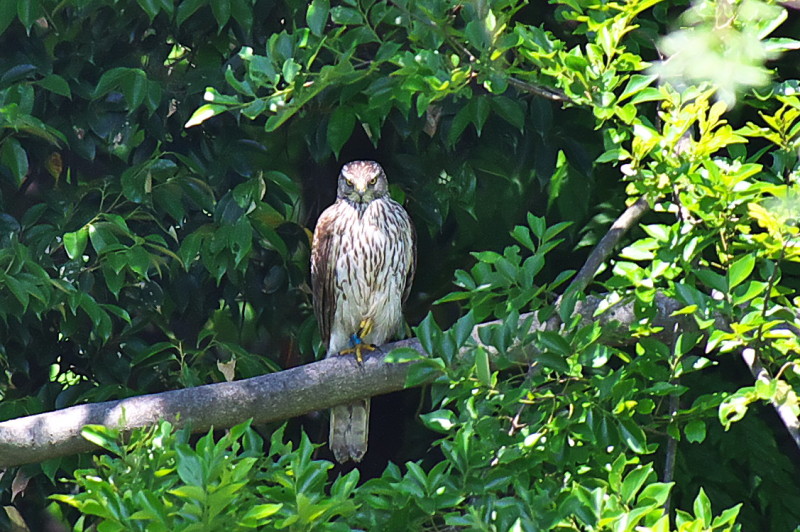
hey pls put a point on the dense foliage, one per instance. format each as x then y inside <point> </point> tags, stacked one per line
<point>162,164</point>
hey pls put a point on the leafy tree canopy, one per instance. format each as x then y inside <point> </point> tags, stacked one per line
<point>161,167</point>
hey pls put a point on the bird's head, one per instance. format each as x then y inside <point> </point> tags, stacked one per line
<point>362,182</point>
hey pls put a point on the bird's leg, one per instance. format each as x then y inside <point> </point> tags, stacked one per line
<point>357,340</point>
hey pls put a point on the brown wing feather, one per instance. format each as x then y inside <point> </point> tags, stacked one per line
<point>323,266</point>
<point>413,266</point>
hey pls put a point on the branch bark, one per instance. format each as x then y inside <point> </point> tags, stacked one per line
<point>271,397</point>
<point>784,410</point>
<point>606,246</point>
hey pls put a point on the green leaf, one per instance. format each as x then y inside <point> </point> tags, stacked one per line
<point>109,81</point>
<point>480,112</point>
<point>552,361</point>
<point>656,492</point>
<point>702,508</point>
<point>459,124</point>
<point>203,113</point>
<point>633,483</point>
<point>636,84</point>
<point>695,431</point>
<point>29,11</point>
<point>8,12</point>
<point>482,368</point>
<point>554,341</point>
<point>463,328</point>
<point>13,156</point>
<point>221,10</point>
<point>103,437</point>
<point>728,517</point>
<point>114,279</point>
<point>242,87</point>
<point>632,435</point>
<point>56,84</point>
<point>75,242</point>
<point>242,12</point>
<point>537,223</point>
<point>748,291</point>
<point>522,235</point>
<point>151,7</point>
<point>440,420</point>
<point>428,333</point>
<point>101,237</point>
<point>134,87</point>
<point>317,16</point>
<point>512,111</point>
<point>136,183</point>
<point>712,280</point>
<point>422,373</point>
<point>187,8</point>
<point>138,260</point>
<point>290,70</point>
<point>401,355</point>
<point>345,15</point>
<point>740,270</point>
<point>260,512</point>
<point>340,127</point>
<point>21,290</point>
<point>18,73</point>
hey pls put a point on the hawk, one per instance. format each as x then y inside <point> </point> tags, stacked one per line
<point>363,258</point>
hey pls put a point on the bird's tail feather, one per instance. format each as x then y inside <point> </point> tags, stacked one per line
<point>349,431</point>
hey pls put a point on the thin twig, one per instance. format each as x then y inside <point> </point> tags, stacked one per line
<point>545,92</point>
<point>672,442</point>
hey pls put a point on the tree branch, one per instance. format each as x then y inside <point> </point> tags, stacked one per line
<point>783,409</point>
<point>271,397</point>
<point>606,246</point>
<point>538,90</point>
<point>321,384</point>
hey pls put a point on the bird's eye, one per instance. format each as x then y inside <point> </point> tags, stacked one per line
<point>373,180</point>
<point>348,181</point>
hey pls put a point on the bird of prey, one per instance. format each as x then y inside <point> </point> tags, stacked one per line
<point>363,259</point>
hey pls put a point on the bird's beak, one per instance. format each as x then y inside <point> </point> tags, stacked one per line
<point>361,190</point>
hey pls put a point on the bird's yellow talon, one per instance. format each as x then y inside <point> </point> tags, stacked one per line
<point>362,347</point>
<point>357,341</point>
<point>357,350</point>
<point>365,328</point>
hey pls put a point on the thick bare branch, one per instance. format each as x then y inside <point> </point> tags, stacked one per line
<point>266,398</point>
<point>272,397</point>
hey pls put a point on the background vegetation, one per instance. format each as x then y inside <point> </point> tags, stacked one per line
<point>162,164</point>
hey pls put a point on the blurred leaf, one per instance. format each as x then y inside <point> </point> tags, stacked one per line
<point>13,156</point>
<point>222,11</point>
<point>56,84</point>
<point>340,127</point>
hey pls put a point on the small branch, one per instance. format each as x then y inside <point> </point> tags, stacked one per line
<point>606,246</point>
<point>672,442</point>
<point>784,410</point>
<point>545,92</point>
<point>672,448</point>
